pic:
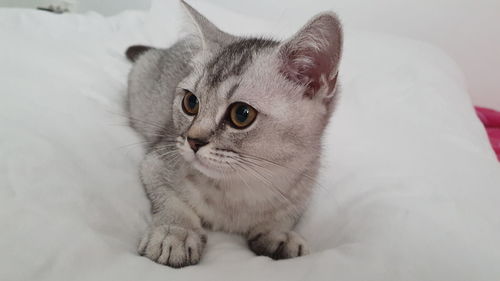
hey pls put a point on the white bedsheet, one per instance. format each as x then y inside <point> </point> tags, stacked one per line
<point>409,189</point>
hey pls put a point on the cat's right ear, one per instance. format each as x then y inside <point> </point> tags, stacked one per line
<point>211,36</point>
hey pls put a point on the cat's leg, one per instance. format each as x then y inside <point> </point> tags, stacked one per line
<point>277,240</point>
<point>175,236</point>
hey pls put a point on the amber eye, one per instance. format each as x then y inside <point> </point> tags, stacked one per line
<point>241,115</point>
<point>190,103</point>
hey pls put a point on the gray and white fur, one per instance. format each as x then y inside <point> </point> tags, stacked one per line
<point>255,181</point>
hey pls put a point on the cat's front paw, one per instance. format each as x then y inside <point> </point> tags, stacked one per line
<point>278,245</point>
<point>173,245</point>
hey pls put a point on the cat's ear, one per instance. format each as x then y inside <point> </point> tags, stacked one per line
<point>210,35</point>
<point>311,57</point>
<point>133,52</point>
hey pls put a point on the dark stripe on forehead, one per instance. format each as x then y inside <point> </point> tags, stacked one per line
<point>234,59</point>
<point>198,81</point>
<point>231,91</point>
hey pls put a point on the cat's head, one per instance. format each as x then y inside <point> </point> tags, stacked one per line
<point>253,102</point>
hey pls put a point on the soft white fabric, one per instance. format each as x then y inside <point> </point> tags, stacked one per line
<point>408,191</point>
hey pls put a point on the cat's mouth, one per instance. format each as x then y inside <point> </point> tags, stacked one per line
<point>203,161</point>
<point>210,161</point>
<point>207,168</point>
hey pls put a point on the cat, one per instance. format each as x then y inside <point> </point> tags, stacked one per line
<point>233,128</point>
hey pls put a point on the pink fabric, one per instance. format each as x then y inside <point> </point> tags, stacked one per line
<point>491,121</point>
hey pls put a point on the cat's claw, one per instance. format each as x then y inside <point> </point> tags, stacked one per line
<point>173,245</point>
<point>278,245</point>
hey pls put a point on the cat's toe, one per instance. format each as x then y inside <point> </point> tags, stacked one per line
<point>173,245</point>
<point>278,245</point>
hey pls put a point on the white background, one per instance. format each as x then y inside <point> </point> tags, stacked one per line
<point>468,30</point>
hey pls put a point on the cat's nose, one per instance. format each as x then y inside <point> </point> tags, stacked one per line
<point>196,144</point>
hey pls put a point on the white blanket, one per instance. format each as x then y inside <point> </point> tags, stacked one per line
<point>409,188</point>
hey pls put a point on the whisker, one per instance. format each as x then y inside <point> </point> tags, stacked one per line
<point>168,153</point>
<point>132,144</point>
<point>269,183</point>
<point>166,146</point>
<point>312,179</point>
<point>131,118</point>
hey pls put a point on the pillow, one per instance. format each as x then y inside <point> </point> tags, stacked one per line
<point>408,190</point>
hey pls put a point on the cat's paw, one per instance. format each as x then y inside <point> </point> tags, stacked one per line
<point>278,245</point>
<point>173,245</point>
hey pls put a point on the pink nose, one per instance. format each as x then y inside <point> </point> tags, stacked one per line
<point>196,144</point>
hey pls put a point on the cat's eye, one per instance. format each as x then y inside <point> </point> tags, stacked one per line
<point>190,103</point>
<point>241,115</point>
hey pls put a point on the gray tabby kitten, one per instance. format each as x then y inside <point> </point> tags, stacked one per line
<point>233,127</point>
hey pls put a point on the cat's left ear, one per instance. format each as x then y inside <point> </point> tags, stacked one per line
<point>311,57</point>
<point>211,36</point>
